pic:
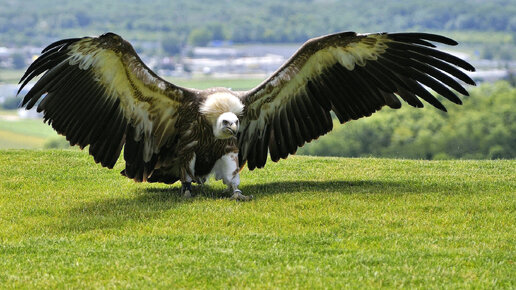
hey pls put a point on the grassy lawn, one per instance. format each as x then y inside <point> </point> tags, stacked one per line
<point>314,222</point>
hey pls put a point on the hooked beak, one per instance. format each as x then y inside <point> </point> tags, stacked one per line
<point>232,129</point>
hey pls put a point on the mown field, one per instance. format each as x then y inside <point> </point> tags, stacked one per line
<point>314,222</point>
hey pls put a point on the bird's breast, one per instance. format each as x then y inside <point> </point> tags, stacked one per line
<point>207,154</point>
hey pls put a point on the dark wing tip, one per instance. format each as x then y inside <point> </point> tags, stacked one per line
<point>417,36</point>
<point>469,67</point>
<point>61,42</point>
<point>50,57</point>
<point>111,35</point>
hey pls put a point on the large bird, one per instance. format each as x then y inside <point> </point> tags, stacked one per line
<point>97,91</point>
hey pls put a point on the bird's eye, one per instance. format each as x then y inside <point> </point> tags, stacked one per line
<point>236,122</point>
<point>225,122</point>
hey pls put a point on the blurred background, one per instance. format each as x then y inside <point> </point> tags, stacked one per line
<point>237,44</point>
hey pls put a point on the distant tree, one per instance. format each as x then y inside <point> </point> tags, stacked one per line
<point>217,31</point>
<point>506,53</point>
<point>511,78</point>
<point>18,61</point>
<point>58,142</point>
<point>199,37</point>
<point>172,44</point>
<point>11,103</point>
<point>83,18</point>
<point>67,21</point>
<point>488,52</point>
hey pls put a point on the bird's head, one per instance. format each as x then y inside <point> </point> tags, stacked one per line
<point>221,110</point>
<point>226,126</point>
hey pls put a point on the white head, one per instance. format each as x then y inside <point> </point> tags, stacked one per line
<point>222,110</point>
<point>226,126</point>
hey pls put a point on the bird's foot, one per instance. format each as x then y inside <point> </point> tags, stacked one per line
<point>186,190</point>
<point>238,196</point>
<point>187,194</point>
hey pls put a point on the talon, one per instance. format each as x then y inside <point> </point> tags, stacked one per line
<point>186,190</point>
<point>187,194</point>
<point>238,196</point>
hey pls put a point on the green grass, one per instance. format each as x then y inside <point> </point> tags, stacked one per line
<point>314,222</point>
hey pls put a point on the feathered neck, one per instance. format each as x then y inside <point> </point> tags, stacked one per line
<point>219,103</point>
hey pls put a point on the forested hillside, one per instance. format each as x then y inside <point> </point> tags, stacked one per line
<point>197,21</point>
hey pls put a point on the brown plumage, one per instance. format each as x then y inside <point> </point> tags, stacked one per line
<point>96,91</point>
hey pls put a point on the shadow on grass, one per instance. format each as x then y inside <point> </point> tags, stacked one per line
<point>139,205</point>
<point>289,187</point>
<point>341,186</point>
<point>151,202</point>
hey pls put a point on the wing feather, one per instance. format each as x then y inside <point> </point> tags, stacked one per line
<point>351,75</point>
<point>96,91</point>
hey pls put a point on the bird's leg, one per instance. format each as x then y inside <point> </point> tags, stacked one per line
<point>232,177</point>
<point>237,194</point>
<point>226,168</point>
<point>186,180</point>
<point>186,189</point>
<point>233,181</point>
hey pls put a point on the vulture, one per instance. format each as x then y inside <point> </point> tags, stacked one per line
<point>96,91</point>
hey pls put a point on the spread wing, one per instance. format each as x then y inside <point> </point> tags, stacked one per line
<point>351,75</point>
<point>98,92</point>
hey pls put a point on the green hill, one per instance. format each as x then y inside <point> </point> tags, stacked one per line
<point>314,222</point>
<point>484,28</point>
<point>198,21</point>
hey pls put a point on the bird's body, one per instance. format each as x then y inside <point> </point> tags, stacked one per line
<point>198,152</point>
<point>99,93</point>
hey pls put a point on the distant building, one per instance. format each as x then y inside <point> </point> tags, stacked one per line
<point>241,60</point>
